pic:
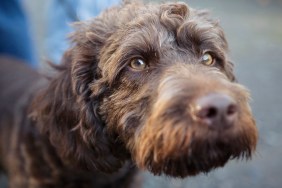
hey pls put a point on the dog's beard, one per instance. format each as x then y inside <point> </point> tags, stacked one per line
<point>180,148</point>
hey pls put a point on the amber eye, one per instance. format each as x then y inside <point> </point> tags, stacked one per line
<point>138,64</point>
<point>208,59</point>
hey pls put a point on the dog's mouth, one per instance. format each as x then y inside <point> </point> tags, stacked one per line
<point>189,152</point>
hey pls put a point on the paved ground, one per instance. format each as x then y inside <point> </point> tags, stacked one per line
<point>254,31</point>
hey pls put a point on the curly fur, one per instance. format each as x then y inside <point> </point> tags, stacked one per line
<point>97,119</point>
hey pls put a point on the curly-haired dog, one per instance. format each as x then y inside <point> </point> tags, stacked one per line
<point>146,86</point>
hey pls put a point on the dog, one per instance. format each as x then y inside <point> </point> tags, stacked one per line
<point>143,86</point>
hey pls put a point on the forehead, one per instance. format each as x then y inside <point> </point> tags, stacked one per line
<point>160,34</point>
<point>173,24</point>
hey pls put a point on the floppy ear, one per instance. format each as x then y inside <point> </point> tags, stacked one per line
<point>89,87</point>
<point>83,55</point>
<point>67,110</point>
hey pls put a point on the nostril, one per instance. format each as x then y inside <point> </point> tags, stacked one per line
<point>211,112</point>
<point>207,113</point>
<point>231,109</point>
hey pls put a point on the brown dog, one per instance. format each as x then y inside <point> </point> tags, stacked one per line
<point>147,86</point>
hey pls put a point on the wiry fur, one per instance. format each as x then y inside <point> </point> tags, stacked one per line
<point>97,119</point>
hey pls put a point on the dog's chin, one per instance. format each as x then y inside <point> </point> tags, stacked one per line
<point>180,151</point>
<point>199,159</point>
<point>184,166</point>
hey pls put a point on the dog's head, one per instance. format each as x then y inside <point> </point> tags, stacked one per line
<point>154,83</point>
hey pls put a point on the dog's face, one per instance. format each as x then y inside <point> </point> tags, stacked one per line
<point>163,88</point>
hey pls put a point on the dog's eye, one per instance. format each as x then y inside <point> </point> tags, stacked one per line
<point>138,64</point>
<point>208,59</point>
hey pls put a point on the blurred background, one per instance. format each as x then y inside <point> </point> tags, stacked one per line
<point>254,31</point>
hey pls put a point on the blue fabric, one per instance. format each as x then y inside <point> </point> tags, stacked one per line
<point>59,22</point>
<point>15,39</point>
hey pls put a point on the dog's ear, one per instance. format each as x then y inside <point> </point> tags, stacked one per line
<point>67,111</point>
<point>87,42</point>
<point>89,87</point>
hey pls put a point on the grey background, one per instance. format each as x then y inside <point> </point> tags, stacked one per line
<point>254,31</point>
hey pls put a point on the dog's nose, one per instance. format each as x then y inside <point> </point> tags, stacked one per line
<point>216,110</point>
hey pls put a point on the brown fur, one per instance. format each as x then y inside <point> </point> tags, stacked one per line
<point>97,119</point>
